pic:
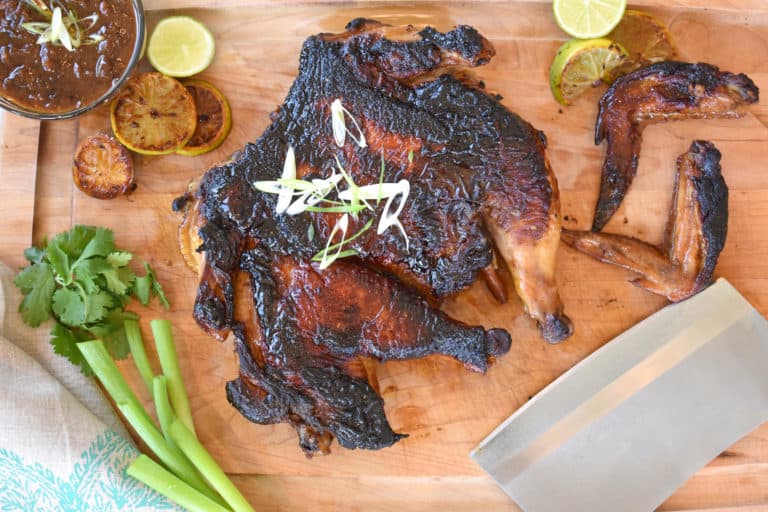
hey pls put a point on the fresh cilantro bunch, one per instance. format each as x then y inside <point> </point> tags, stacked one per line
<point>82,280</point>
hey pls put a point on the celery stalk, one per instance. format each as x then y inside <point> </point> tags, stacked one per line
<point>192,448</point>
<point>105,369</point>
<point>171,456</point>
<point>163,406</point>
<point>166,351</point>
<point>158,478</point>
<point>136,344</point>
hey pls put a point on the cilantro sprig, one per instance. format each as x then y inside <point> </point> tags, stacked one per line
<point>84,282</point>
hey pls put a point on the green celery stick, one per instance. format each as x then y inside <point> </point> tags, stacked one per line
<point>171,456</point>
<point>192,448</point>
<point>163,406</point>
<point>133,333</point>
<point>153,475</point>
<point>166,351</point>
<point>95,353</point>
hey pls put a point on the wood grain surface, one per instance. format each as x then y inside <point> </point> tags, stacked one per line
<point>445,409</point>
<point>18,171</point>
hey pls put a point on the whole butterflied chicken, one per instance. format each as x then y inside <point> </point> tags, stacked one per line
<point>479,185</point>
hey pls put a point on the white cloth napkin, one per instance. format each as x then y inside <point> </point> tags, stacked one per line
<point>62,448</point>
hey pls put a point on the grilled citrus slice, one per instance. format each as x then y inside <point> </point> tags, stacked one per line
<point>645,37</point>
<point>102,167</point>
<point>154,114</point>
<point>581,64</point>
<point>214,118</point>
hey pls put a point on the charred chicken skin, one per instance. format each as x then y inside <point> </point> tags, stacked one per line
<point>315,325</point>
<point>479,180</point>
<point>660,92</point>
<point>695,235</point>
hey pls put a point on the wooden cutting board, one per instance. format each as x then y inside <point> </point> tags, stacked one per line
<point>443,408</point>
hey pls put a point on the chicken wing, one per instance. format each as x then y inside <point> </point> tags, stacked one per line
<point>660,92</point>
<point>695,235</point>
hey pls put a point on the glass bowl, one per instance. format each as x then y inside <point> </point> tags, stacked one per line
<point>136,55</point>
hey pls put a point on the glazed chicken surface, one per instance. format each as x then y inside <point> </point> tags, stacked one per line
<point>660,92</point>
<point>480,185</point>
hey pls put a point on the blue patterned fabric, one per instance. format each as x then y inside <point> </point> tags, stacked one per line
<point>97,483</point>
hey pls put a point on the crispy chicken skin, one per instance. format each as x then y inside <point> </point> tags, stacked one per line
<point>695,235</point>
<point>480,185</point>
<point>479,177</point>
<point>309,328</point>
<point>660,92</point>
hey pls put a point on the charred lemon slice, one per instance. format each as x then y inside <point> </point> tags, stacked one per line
<point>580,64</point>
<point>153,115</point>
<point>214,118</point>
<point>102,167</point>
<point>645,37</point>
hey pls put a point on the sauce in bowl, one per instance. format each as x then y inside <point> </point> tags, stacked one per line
<point>48,77</point>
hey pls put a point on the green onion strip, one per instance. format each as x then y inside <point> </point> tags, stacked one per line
<point>296,196</point>
<point>62,26</point>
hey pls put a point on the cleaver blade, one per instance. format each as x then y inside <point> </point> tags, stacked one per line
<point>628,425</point>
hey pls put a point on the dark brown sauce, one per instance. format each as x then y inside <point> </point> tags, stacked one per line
<point>50,78</point>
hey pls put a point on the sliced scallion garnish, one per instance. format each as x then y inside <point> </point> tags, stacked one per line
<point>312,196</point>
<point>392,219</point>
<point>325,255</point>
<point>339,125</point>
<point>62,28</point>
<point>337,209</point>
<point>289,173</point>
<point>40,7</point>
<point>381,177</point>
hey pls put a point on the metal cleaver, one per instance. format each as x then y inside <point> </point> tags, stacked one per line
<point>628,425</point>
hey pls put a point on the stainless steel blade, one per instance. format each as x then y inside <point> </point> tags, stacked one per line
<point>624,428</point>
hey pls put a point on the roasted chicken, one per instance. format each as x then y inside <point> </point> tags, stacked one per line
<point>660,92</point>
<point>309,328</point>
<point>480,184</point>
<point>697,226</point>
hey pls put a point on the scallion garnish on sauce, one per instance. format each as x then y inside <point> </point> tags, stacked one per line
<point>62,26</point>
<point>297,196</point>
